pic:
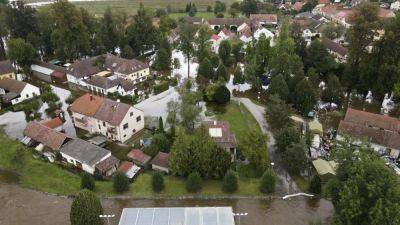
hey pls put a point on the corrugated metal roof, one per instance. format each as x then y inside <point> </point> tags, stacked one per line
<point>177,216</point>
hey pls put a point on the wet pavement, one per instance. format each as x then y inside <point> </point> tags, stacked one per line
<point>22,206</point>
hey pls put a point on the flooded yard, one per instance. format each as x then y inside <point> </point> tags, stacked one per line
<point>14,123</point>
<point>22,206</point>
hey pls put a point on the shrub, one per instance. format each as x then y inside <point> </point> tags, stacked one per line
<point>85,209</point>
<point>157,182</point>
<point>230,182</point>
<point>120,182</point>
<point>268,181</point>
<point>222,95</point>
<point>193,182</point>
<point>162,86</point>
<point>315,185</point>
<point>87,181</point>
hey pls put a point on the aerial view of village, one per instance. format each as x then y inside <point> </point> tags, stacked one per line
<point>199,112</point>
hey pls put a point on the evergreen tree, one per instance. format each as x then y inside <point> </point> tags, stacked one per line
<point>333,91</point>
<point>185,42</point>
<point>85,209</point>
<point>120,182</point>
<point>222,95</point>
<point>320,58</point>
<point>279,87</point>
<point>305,98</point>
<point>206,69</point>
<point>238,77</point>
<point>224,52</point>
<point>230,182</point>
<point>295,158</point>
<point>251,74</point>
<point>108,31</point>
<point>162,60</point>
<point>194,182</point>
<point>157,182</point>
<point>160,125</point>
<point>221,73</point>
<point>278,113</point>
<point>268,181</point>
<point>287,137</point>
<point>87,181</point>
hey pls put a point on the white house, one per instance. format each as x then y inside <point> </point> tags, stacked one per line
<point>215,41</point>
<point>105,85</point>
<point>113,119</point>
<point>225,34</point>
<point>89,158</point>
<point>395,6</point>
<point>14,91</point>
<point>131,69</point>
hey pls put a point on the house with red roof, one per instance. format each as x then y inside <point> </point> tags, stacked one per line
<point>138,157</point>
<point>55,124</point>
<point>113,119</point>
<point>129,169</point>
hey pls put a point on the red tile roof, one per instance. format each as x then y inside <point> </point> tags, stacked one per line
<point>138,156</point>
<point>161,160</point>
<point>42,134</point>
<point>125,166</point>
<point>53,123</point>
<point>87,104</point>
<point>372,120</point>
<point>215,37</point>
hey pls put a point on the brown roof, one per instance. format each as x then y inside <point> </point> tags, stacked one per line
<point>46,136</point>
<point>372,120</point>
<point>123,66</point>
<point>6,67</point>
<point>375,135</point>
<point>107,164</point>
<point>12,85</point>
<point>87,104</point>
<point>161,160</point>
<point>53,123</point>
<point>58,74</point>
<point>112,112</point>
<point>138,156</point>
<point>102,82</point>
<point>227,139</point>
<point>335,47</point>
<point>227,21</point>
<point>268,18</point>
<point>51,66</point>
<point>82,68</point>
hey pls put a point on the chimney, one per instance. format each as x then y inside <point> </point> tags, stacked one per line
<point>91,97</point>
<point>215,123</point>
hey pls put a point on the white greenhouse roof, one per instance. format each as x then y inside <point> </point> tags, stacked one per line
<point>177,216</point>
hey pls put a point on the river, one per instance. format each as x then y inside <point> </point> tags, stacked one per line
<point>22,206</point>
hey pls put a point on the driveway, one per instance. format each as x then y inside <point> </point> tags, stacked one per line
<point>286,184</point>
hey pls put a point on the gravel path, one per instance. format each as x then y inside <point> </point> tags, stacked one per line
<point>286,183</point>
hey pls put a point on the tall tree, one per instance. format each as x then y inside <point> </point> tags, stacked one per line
<point>254,147</point>
<point>70,37</point>
<point>279,87</point>
<point>305,96</point>
<point>20,19</point>
<point>206,69</point>
<point>141,34</point>
<point>251,74</point>
<point>203,43</point>
<point>186,44</point>
<point>334,91</point>
<point>190,110</point>
<point>249,7</point>
<point>20,52</point>
<point>320,59</point>
<point>278,113</point>
<point>108,31</point>
<point>295,158</point>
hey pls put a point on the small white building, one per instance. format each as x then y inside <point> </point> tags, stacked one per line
<point>112,119</point>
<point>14,91</point>
<point>215,41</point>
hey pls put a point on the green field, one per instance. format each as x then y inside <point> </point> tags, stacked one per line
<point>130,6</point>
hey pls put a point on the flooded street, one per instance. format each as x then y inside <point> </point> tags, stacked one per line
<point>21,206</point>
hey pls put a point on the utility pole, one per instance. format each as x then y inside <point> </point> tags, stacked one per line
<point>107,217</point>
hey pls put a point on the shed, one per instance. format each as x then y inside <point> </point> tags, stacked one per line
<point>325,169</point>
<point>129,169</point>
<point>161,162</point>
<point>139,157</point>
<point>315,127</point>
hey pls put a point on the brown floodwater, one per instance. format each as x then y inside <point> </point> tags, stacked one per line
<point>21,206</point>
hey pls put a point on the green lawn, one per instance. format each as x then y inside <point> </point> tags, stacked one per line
<point>240,119</point>
<point>130,6</point>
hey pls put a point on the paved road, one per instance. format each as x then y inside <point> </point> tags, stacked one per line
<point>286,184</point>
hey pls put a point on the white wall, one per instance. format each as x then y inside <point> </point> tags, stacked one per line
<point>28,92</point>
<point>133,126</point>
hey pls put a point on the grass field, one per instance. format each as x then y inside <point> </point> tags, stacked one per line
<point>130,6</point>
<point>39,175</point>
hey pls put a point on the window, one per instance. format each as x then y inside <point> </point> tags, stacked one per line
<point>104,124</point>
<point>125,126</point>
<point>99,127</point>
<point>131,114</point>
<point>138,119</point>
<point>27,95</point>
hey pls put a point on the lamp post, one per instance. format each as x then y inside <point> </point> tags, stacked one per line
<point>107,217</point>
<point>240,215</point>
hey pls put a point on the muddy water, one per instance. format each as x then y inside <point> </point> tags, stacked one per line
<point>21,206</point>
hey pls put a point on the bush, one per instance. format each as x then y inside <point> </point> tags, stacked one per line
<point>230,182</point>
<point>222,95</point>
<point>120,182</point>
<point>268,181</point>
<point>87,182</point>
<point>157,182</point>
<point>193,182</point>
<point>85,209</point>
<point>162,86</point>
<point>315,185</point>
